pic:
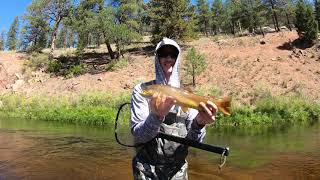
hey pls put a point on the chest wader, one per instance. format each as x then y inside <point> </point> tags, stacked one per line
<point>162,159</point>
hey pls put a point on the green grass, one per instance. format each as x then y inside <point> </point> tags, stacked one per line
<point>95,108</point>
<point>273,111</point>
<point>98,108</point>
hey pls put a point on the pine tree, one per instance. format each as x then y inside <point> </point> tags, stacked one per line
<point>195,64</point>
<point>203,15</point>
<point>2,40</point>
<point>128,27</point>
<point>62,38</point>
<point>127,13</point>
<point>273,11</point>
<point>258,13</point>
<point>12,35</point>
<point>217,16</point>
<point>34,34</point>
<point>311,34</point>
<point>317,12</point>
<point>306,24</point>
<point>172,19</point>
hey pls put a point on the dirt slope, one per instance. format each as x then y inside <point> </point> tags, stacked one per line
<point>236,66</point>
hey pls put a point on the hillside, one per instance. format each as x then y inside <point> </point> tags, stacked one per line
<point>244,67</point>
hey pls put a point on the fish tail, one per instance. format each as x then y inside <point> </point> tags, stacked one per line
<point>224,105</point>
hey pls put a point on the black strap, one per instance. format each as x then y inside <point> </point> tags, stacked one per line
<point>195,144</point>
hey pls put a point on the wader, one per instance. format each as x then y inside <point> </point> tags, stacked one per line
<point>162,159</point>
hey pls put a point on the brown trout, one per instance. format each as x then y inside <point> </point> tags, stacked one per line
<point>186,99</point>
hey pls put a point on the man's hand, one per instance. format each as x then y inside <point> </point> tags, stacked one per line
<point>161,105</point>
<point>208,113</point>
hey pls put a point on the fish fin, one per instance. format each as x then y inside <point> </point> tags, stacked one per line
<point>190,89</point>
<point>224,105</point>
<point>184,109</point>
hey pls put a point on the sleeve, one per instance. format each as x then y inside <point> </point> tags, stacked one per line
<point>195,132</point>
<point>144,125</point>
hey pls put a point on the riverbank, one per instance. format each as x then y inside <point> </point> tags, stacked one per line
<point>100,109</point>
<point>269,80</point>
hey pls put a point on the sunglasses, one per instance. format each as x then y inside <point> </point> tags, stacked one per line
<point>168,55</point>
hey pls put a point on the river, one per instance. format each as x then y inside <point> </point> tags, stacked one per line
<point>47,150</point>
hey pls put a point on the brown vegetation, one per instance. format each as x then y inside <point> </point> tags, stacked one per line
<point>244,67</point>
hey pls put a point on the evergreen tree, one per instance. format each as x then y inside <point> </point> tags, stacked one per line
<point>195,64</point>
<point>317,12</point>
<point>306,24</point>
<point>2,40</point>
<point>127,13</point>
<point>12,38</point>
<point>203,15</point>
<point>143,18</point>
<point>273,10</point>
<point>172,19</point>
<point>253,15</point>
<point>311,33</point>
<point>34,34</point>
<point>52,12</point>
<point>62,38</point>
<point>288,8</point>
<point>84,20</point>
<point>217,16</point>
<point>235,15</point>
<point>128,27</point>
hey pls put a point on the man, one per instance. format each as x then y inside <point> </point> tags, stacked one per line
<point>158,158</point>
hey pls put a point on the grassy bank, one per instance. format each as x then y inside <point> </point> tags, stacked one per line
<point>94,108</point>
<point>97,108</point>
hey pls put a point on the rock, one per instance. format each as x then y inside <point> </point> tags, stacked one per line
<point>18,84</point>
<point>284,28</point>
<point>126,86</point>
<point>100,79</point>
<point>18,76</point>
<point>221,42</point>
<point>279,58</point>
<point>268,29</point>
<point>75,83</point>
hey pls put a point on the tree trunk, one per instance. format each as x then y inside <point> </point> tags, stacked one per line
<point>240,29</point>
<point>206,27</point>
<point>193,76</point>
<point>54,36</point>
<point>262,31</point>
<point>274,14</point>
<point>288,21</point>
<point>108,46</point>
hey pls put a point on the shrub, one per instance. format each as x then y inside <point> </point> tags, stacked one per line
<point>117,64</point>
<point>37,61</point>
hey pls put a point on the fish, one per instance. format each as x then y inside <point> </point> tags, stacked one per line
<point>187,99</point>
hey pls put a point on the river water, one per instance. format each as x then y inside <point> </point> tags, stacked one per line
<point>47,150</point>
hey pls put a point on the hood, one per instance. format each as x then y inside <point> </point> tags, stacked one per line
<point>174,80</point>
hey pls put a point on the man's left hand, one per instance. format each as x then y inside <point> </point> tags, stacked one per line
<point>208,113</point>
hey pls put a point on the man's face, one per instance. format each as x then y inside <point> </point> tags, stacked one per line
<point>167,58</point>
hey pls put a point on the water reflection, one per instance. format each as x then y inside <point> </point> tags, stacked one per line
<point>43,150</point>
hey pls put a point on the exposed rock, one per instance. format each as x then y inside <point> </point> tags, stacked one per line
<point>18,76</point>
<point>17,85</point>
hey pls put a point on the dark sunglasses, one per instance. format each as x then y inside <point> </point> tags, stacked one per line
<point>166,55</point>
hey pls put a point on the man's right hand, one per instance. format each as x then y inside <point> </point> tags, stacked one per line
<point>161,105</point>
